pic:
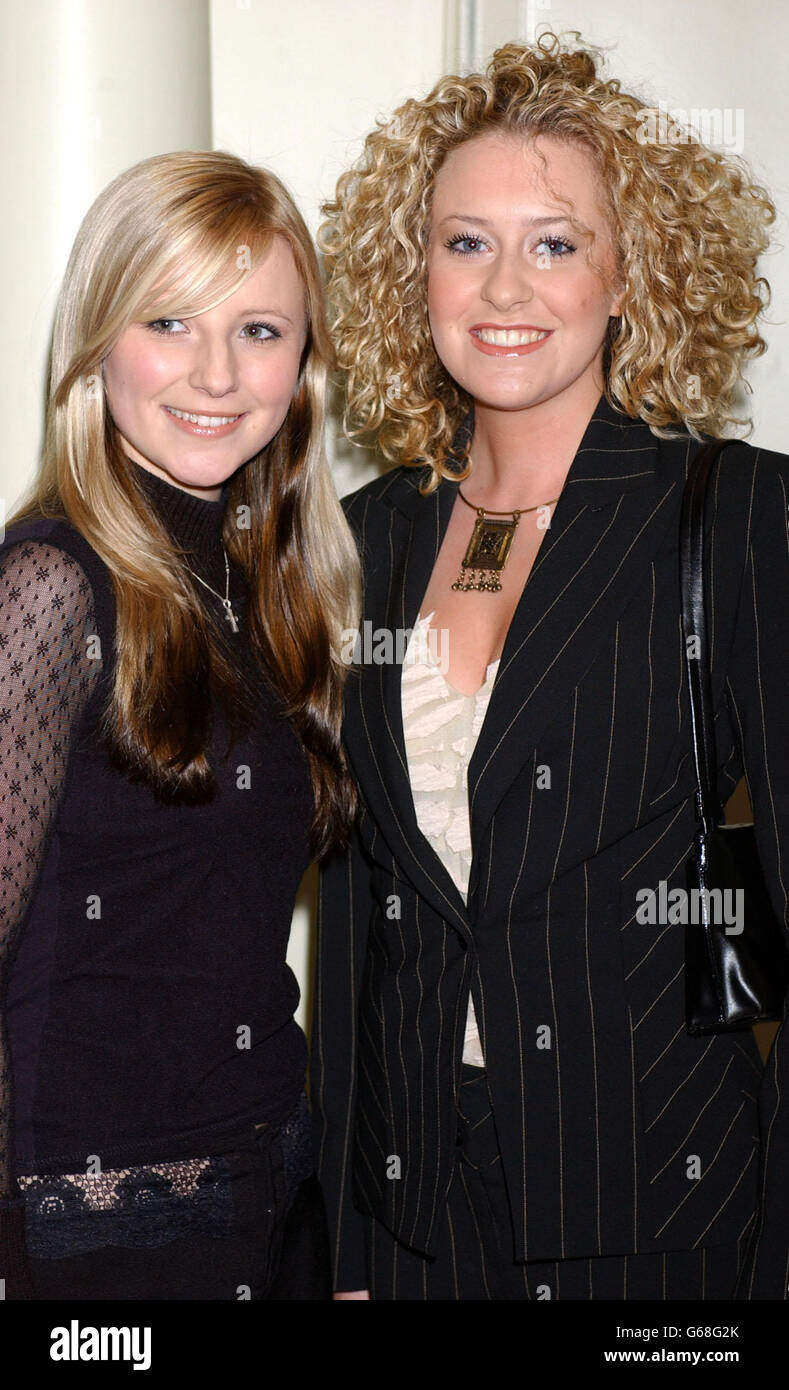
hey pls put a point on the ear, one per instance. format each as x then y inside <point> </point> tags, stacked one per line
<point>616,303</point>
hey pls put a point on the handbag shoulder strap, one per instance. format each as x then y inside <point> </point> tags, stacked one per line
<point>694,627</point>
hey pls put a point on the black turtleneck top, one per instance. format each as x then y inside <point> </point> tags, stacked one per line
<point>146,1007</point>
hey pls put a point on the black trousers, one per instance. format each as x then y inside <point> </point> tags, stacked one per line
<point>475,1261</point>
<point>276,1246</point>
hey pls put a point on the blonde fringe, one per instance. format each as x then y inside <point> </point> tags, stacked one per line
<point>162,241</point>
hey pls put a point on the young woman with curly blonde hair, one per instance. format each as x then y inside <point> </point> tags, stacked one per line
<point>541,311</point>
<point>170,760</point>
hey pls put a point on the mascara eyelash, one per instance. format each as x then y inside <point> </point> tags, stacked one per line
<point>472,236</point>
<point>462,236</point>
<point>558,241</point>
<point>269,327</point>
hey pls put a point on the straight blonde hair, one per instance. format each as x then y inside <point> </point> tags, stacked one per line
<point>172,237</point>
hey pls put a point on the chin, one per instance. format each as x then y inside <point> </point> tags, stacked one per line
<point>196,477</point>
<point>507,400</point>
<point>200,480</point>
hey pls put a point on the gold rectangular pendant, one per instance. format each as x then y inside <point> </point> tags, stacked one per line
<point>489,545</point>
<point>487,552</point>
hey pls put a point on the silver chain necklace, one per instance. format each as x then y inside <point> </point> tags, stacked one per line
<point>225,602</point>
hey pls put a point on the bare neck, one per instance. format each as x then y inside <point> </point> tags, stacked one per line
<point>521,458</point>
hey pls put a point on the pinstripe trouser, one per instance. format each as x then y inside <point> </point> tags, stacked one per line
<point>474,1260</point>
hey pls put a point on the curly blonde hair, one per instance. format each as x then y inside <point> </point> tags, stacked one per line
<point>687,225</point>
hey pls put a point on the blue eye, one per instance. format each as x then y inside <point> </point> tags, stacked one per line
<point>455,242</point>
<point>155,326</point>
<point>468,244</point>
<point>554,241</point>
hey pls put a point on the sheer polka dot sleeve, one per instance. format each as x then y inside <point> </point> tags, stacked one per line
<point>50,662</point>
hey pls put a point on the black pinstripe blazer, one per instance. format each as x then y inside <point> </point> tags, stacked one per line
<point>619,1132</point>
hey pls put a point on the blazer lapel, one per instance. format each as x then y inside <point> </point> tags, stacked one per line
<point>610,521</point>
<point>408,534</point>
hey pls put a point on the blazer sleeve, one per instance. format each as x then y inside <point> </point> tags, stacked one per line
<point>344,906</point>
<point>757,690</point>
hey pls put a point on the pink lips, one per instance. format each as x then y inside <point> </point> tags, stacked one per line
<point>206,431</point>
<point>511,327</point>
<point>491,350</point>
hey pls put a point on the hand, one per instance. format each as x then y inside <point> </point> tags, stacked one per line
<point>358,1293</point>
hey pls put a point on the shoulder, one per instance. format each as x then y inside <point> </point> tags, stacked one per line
<point>752,487</point>
<point>56,536</point>
<point>749,484</point>
<point>40,557</point>
<point>754,461</point>
<point>770,469</point>
<point>50,647</point>
<point>392,489</point>
<point>49,643</point>
<point>37,563</point>
<point>47,608</point>
<point>48,570</point>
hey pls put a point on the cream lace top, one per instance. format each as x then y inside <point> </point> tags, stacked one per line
<point>441,728</point>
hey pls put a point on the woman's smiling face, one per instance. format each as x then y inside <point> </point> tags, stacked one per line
<point>238,362</point>
<point>503,258</point>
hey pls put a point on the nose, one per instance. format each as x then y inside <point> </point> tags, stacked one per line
<point>213,368</point>
<point>508,281</point>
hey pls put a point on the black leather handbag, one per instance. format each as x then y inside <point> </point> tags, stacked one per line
<point>736,974</point>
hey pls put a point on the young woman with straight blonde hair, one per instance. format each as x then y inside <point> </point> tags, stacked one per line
<point>172,594</point>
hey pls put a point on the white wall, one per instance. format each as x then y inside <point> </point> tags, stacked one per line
<point>87,88</point>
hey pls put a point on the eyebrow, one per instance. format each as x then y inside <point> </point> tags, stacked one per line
<point>530,221</point>
<point>261,313</point>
